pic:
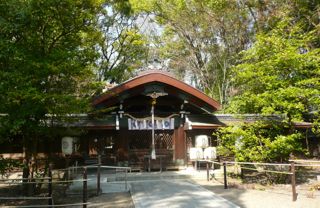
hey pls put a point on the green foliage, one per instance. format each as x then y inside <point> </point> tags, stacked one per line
<point>121,6</point>
<point>277,75</point>
<point>315,187</point>
<point>46,61</point>
<point>277,72</point>
<point>248,142</point>
<point>123,46</point>
<point>200,38</point>
<point>7,165</point>
<point>280,73</point>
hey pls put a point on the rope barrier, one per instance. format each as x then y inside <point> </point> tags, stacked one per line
<point>267,171</point>
<point>116,167</point>
<point>45,182</point>
<point>17,179</point>
<point>305,165</point>
<point>59,205</point>
<point>304,161</point>
<point>258,163</point>
<point>26,198</point>
<point>95,166</point>
<point>212,162</point>
<point>271,171</point>
<point>78,167</point>
<point>251,168</point>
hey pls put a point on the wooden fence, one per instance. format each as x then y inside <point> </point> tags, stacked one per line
<point>50,182</point>
<point>292,173</point>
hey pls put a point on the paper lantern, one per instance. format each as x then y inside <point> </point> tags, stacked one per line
<point>202,141</point>
<point>67,143</point>
<point>196,153</point>
<point>210,153</point>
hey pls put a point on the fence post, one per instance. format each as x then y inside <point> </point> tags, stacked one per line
<point>98,179</point>
<point>293,182</point>
<point>76,168</point>
<point>67,166</point>
<point>85,187</point>
<point>126,179</point>
<point>50,184</point>
<point>208,171</point>
<point>225,174</point>
<point>241,172</point>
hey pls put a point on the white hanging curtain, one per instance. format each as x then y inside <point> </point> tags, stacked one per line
<point>167,124</point>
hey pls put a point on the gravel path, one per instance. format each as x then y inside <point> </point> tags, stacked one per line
<point>245,197</point>
<point>112,200</point>
<point>274,197</point>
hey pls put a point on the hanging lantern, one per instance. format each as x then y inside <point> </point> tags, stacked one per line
<point>67,143</point>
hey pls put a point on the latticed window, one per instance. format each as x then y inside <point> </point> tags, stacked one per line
<point>142,139</point>
<point>163,139</point>
<point>190,142</point>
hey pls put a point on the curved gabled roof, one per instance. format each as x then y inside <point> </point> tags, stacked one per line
<point>156,80</point>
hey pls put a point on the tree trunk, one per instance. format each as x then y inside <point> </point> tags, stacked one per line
<point>32,168</point>
<point>29,162</point>
<point>39,185</point>
<point>26,168</point>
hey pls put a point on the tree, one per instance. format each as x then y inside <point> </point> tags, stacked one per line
<point>47,57</point>
<point>122,44</point>
<point>201,38</point>
<point>278,75</point>
<point>261,141</point>
<point>274,74</point>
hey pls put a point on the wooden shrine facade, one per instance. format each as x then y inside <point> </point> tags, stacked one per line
<point>130,122</point>
<point>123,135</point>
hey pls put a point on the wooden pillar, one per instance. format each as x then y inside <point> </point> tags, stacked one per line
<point>125,136</point>
<point>180,144</point>
<point>120,139</point>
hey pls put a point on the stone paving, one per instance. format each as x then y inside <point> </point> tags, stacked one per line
<point>174,193</point>
<point>167,189</point>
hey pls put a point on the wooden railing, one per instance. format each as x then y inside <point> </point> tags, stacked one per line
<point>50,196</point>
<point>50,182</point>
<point>30,180</point>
